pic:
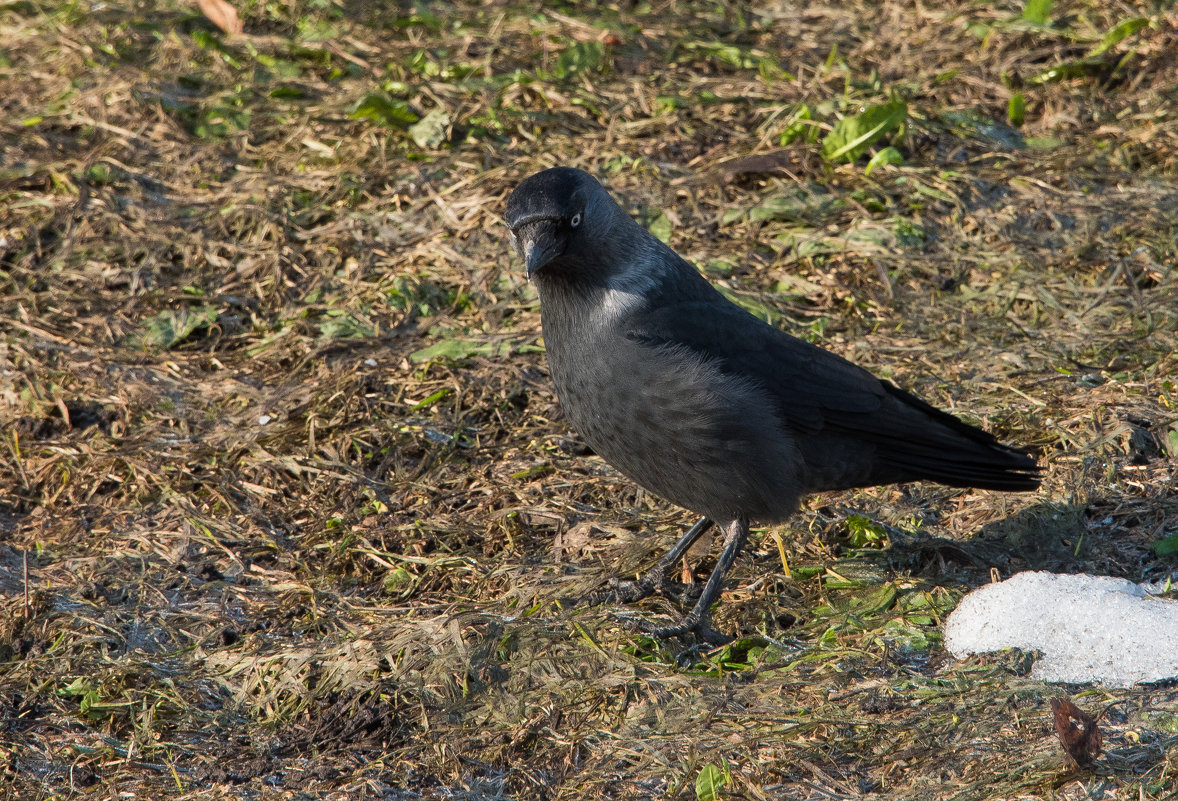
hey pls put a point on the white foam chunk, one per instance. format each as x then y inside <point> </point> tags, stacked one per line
<point>1097,629</point>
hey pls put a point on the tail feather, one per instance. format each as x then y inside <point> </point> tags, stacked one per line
<point>957,454</point>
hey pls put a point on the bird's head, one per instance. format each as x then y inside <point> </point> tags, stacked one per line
<point>557,211</point>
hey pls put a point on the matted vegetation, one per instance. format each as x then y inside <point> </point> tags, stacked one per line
<point>288,507</point>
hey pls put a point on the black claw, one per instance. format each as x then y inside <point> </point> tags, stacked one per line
<point>630,591</point>
<point>700,626</point>
<point>655,579</point>
<point>623,592</point>
<point>699,620</point>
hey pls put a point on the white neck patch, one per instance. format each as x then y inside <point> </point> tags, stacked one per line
<point>628,291</point>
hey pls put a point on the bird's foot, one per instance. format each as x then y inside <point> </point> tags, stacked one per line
<point>621,592</point>
<point>655,580</point>
<point>694,623</point>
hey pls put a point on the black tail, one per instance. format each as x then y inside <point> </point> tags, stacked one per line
<point>957,454</point>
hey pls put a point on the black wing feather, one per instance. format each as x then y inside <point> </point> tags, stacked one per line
<point>854,429</point>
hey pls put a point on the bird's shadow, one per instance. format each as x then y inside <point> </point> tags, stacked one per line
<point>1046,536</point>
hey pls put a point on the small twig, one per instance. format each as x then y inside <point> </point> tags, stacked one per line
<point>28,606</point>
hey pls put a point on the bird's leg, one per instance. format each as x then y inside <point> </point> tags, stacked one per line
<point>655,579</point>
<point>699,619</point>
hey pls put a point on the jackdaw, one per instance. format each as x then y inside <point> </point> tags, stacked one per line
<point>702,403</point>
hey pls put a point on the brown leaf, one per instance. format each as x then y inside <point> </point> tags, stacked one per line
<point>1077,731</point>
<point>221,14</point>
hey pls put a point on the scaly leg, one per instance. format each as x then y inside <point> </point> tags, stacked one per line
<point>699,619</point>
<point>655,579</point>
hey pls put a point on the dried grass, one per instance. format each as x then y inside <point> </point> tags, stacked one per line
<point>292,556</point>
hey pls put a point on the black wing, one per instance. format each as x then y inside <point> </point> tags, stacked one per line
<point>854,429</point>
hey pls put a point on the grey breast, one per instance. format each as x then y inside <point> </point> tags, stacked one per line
<point>672,422</point>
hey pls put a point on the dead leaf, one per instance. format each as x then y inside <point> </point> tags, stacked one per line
<point>1077,731</point>
<point>221,14</point>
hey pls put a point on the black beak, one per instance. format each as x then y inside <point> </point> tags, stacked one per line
<point>537,243</point>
